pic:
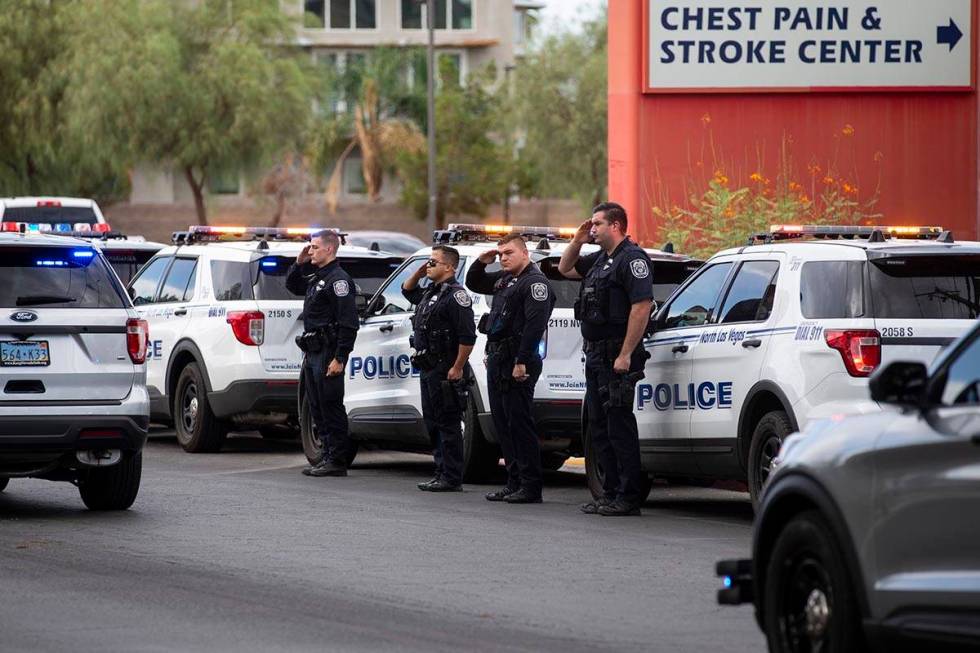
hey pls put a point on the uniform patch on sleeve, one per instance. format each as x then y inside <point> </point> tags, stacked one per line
<point>639,268</point>
<point>539,291</point>
<point>341,288</point>
<point>462,298</point>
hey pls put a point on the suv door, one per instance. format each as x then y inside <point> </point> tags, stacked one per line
<point>170,313</point>
<point>63,316</point>
<point>663,397</point>
<point>729,357</point>
<point>382,393</point>
<point>927,497</point>
<point>143,290</point>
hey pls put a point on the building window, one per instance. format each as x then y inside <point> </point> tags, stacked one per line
<point>354,183</point>
<point>417,68</point>
<point>223,182</point>
<point>340,14</point>
<point>450,14</point>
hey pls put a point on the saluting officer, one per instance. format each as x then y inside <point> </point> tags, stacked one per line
<point>614,307</point>
<point>443,339</point>
<point>330,326</point>
<point>522,303</point>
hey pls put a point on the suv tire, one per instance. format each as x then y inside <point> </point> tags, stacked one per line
<point>593,472</point>
<point>112,488</point>
<point>312,447</point>
<point>767,437</point>
<point>480,458</point>
<point>3,483</point>
<point>806,579</point>
<point>198,430</point>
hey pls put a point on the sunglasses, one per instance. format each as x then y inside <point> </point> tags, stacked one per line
<point>431,263</point>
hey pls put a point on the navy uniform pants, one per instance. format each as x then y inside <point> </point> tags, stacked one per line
<point>326,397</point>
<point>615,439</point>
<point>511,404</point>
<point>443,420</point>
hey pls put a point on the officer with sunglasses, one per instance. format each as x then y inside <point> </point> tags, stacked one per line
<point>444,335</point>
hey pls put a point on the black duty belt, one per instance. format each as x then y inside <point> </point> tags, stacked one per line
<point>605,347</point>
<point>499,347</point>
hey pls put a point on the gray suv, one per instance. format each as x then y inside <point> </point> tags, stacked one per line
<point>73,400</point>
<point>868,532</point>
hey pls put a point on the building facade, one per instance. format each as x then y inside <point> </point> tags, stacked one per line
<point>336,33</point>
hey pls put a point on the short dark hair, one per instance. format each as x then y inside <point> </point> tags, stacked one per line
<point>329,238</point>
<point>451,253</point>
<point>510,238</point>
<point>613,212</point>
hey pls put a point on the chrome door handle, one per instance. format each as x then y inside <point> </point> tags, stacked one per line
<point>679,349</point>
<point>387,328</point>
<point>180,311</point>
<point>755,342</point>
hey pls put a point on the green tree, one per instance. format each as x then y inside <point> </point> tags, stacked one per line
<point>561,95</point>
<point>472,155</point>
<point>200,86</point>
<point>39,153</point>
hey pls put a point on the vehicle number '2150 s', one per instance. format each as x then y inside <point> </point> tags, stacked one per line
<point>280,313</point>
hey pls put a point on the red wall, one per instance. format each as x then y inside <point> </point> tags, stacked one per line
<point>918,150</point>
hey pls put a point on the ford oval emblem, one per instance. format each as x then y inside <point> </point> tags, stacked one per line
<point>23,316</point>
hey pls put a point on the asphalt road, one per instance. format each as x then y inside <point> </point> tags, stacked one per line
<point>238,551</point>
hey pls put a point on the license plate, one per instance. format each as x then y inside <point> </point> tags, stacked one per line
<point>24,353</point>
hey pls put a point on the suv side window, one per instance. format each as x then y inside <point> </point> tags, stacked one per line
<point>231,281</point>
<point>692,307</point>
<point>180,280</point>
<point>832,289</point>
<point>394,301</point>
<point>963,378</point>
<point>144,287</point>
<point>751,295</point>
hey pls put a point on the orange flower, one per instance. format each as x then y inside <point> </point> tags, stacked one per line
<point>829,181</point>
<point>847,131</point>
<point>814,169</point>
<point>795,187</point>
<point>756,177</point>
<point>729,213</point>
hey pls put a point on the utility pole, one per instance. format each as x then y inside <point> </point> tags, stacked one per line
<point>430,221</point>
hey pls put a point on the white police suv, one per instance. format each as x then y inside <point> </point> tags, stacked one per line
<point>78,218</point>
<point>222,354</point>
<point>767,337</point>
<point>382,388</point>
<point>73,399</point>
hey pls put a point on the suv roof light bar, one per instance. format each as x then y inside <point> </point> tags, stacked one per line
<point>490,232</point>
<point>789,231</point>
<point>209,234</point>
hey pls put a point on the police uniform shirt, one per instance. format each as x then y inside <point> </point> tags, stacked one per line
<point>442,306</point>
<point>621,280</point>
<point>329,302</point>
<point>521,305</point>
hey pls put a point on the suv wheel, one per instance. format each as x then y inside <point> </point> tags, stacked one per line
<point>809,604</point>
<point>198,430</point>
<point>3,483</point>
<point>312,446</point>
<point>480,458</point>
<point>768,436</point>
<point>593,470</point>
<point>112,488</point>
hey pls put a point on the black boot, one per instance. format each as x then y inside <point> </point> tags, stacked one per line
<point>424,485</point>
<point>592,507</point>
<point>325,468</point>
<point>619,508</point>
<point>499,495</point>
<point>523,496</point>
<point>443,485</point>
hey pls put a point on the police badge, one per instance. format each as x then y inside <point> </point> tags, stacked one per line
<point>539,291</point>
<point>639,268</point>
<point>462,298</point>
<point>341,288</point>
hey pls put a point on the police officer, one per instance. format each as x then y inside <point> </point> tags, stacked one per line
<point>522,303</point>
<point>614,307</point>
<point>330,326</point>
<point>444,335</point>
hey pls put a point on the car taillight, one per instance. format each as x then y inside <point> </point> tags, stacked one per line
<point>249,326</point>
<point>137,339</point>
<point>860,349</point>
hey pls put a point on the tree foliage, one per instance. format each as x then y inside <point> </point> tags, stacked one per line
<point>561,96</point>
<point>41,153</point>
<point>200,86</point>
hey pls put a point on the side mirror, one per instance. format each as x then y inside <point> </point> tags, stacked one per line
<point>366,306</point>
<point>131,292</point>
<point>902,383</point>
<point>360,302</point>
